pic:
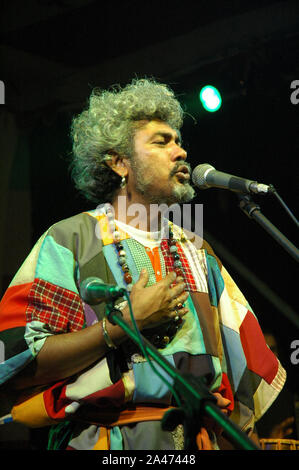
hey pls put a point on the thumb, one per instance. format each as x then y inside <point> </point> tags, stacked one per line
<point>143,278</point>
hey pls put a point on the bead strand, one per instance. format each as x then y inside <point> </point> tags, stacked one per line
<point>121,252</point>
<point>177,263</point>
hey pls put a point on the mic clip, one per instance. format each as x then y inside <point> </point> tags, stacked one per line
<point>111,311</point>
<point>247,205</point>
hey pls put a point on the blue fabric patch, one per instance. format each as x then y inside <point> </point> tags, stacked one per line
<point>215,280</point>
<point>149,386</point>
<point>235,357</point>
<point>116,440</point>
<point>56,265</point>
<point>13,365</point>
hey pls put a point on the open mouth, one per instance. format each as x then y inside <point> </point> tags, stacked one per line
<point>183,173</point>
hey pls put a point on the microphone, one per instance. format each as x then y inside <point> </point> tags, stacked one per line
<point>94,291</point>
<point>206,176</point>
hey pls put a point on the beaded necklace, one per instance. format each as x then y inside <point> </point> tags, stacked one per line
<point>160,340</point>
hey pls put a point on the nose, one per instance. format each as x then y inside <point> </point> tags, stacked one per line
<point>179,153</point>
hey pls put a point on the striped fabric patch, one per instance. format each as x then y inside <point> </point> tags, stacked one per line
<point>55,306</point>
<point>168,259</point>
<point>197,262</point>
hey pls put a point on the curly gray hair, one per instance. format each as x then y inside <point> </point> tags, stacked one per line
<point>109,123</point>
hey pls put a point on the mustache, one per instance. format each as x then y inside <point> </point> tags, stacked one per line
<point>178,164</point>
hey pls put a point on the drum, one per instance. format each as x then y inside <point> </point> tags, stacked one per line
<point>279,444</point>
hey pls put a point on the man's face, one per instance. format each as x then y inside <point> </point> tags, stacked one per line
<point>158,169</point>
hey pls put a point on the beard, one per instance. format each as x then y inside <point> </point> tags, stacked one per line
<point>181,192</point>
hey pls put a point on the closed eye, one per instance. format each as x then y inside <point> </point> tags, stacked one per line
<point>165,138</point>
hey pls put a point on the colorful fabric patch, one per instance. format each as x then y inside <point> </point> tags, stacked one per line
<point>215,280</point>
<point>55,306</point>
<point>13,365</point>
<point>13,305</point>
<point>140,260</point>
<point>260,359</point>
<point>169,263</point>
<point>208,319</point>
<point>90,382</point>
<point>198,265</point>
<point>198,365</point>
<point>150,388</point>
<point>189,337</point>
<point>247,386</point>
<point>235,358</point>
<point>56,265</point>
<point>35,335</point>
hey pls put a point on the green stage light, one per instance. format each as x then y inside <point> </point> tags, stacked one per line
<point>210,98</point>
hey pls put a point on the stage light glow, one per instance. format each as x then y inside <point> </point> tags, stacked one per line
<point>210,98</point>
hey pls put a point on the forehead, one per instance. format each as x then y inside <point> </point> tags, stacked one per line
<point>156,127</point>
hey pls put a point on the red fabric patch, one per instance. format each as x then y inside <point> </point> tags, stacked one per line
<point>55,306</point>
<point>13,306</point>
<point>168,259</point>
<point>260,359</point>
<point>226,391</point>
<point>55,400</point>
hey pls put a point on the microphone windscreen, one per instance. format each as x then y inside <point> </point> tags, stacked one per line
<point>198,175</point>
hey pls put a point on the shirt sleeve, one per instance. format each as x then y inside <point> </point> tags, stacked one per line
<point>41,300</point>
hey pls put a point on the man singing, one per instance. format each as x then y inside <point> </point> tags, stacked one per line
<point>72,369</point>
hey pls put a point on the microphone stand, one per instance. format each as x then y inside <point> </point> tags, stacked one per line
<point>253,211</point>
<point>198,400</point>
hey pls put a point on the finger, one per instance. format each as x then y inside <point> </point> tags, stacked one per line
<point>177,290</point>
<point>178,313</point>
<point>178,300</point>
<point>221,401</point>
<point>143,278</point>
<point>169,278</point>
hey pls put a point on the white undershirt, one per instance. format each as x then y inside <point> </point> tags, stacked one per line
<point>148,239</point>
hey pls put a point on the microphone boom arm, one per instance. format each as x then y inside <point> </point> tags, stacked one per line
<point>253,211</point>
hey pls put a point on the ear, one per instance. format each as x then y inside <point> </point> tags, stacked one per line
<point>118,164</point>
